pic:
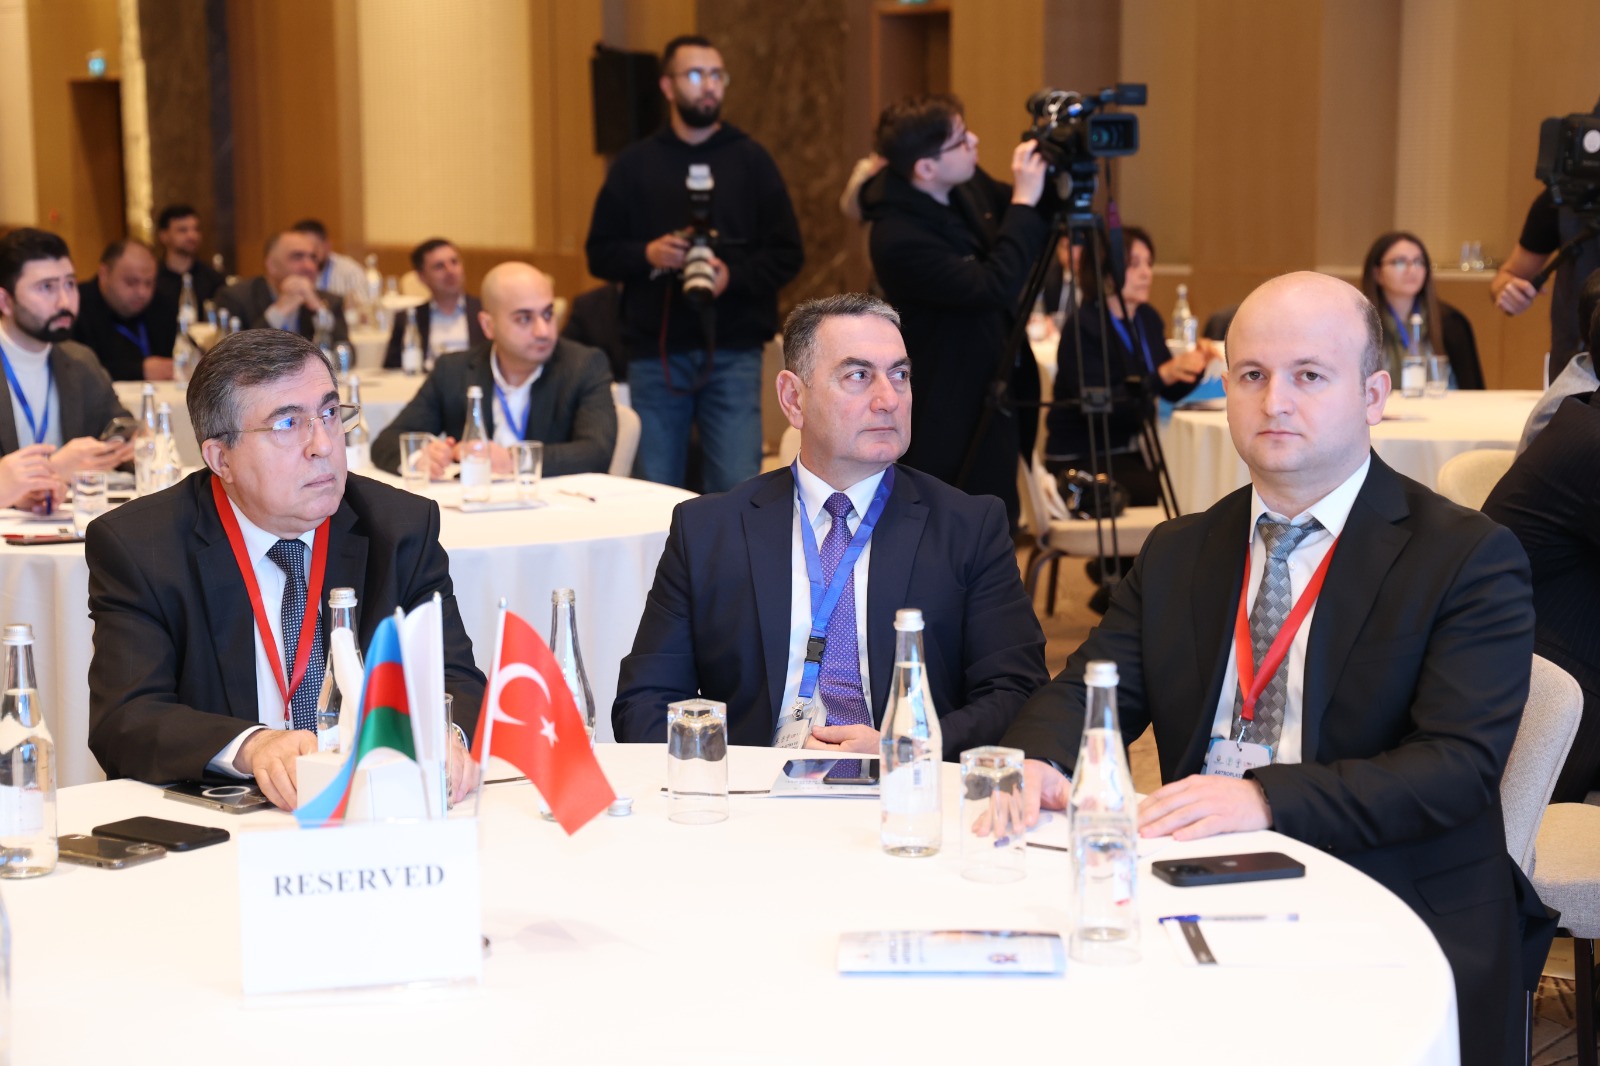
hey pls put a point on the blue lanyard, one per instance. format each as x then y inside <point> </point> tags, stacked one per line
<point>1127,341</point>
<point>39,431</point>
<point>142,338</point>
<point>823,601</point>
<point>1405,330</point>
<point>505,408</point>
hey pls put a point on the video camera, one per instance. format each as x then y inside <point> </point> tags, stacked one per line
<point>1569,161</point>
<point>699,277</point>
<point>1072,135</point>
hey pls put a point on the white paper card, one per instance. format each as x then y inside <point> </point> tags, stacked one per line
<point>385,903</point>
<point>952,951</point>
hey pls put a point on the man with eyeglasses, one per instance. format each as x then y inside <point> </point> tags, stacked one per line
<point>691,365</point>
<point>952,248</point>
<point>204,661</point>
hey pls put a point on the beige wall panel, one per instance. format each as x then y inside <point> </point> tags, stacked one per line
<point>1358,101</point>
<point>996,63</point>
<point>569,172</point>
<point>446,109</point>
<point>18,203</point>
<point>646,25</point>
<point>1156,187</point>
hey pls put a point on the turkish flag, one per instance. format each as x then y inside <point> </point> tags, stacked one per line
<point>530,720</point>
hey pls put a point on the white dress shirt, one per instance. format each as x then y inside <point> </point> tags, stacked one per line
<point>1333,510</point>
<point>812,493</point>
<point>272,581</point>
<point>447,330</point>
<point>516,398</point>
<point>33,374</point>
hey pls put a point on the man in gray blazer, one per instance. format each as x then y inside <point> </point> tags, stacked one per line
<point>286,295</point>
<point>535,387</point>
<point>57,396</point>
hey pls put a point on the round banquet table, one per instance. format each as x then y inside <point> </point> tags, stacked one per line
<point>640,940</point>
<point>1416,437</point>
<point>383,394</point>
<point>605,549</point>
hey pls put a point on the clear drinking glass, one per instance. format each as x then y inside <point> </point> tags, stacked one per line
<point>993,834</point>
<point>88,497</point>
<point>1438,375</point>
<point>414,460</point>
<point>527,463</point>
<point>697,762</point>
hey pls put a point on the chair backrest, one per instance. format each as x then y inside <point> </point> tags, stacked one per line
<point>1468,478</point>
<point>628,428</point>
<point>1035,507</point>
<point>1549,722</point>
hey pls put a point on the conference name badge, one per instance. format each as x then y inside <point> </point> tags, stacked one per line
<point>1231,758</point>
<point>359,905</point>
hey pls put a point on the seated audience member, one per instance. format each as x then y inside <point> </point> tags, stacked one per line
<point>448,322</point>
<point>193,643</point>
<point>1578,376</point>
<point>535,387</point>
<point>178,229</point>
<point>336,273</point>
<point>1137,347</point>
<point>1398,278</point>
<point>285,295</point>
<point>1550,498</point>
<point>123,319</point>
<point>56,391</point>
<point>730,612</point>
<point>596,320</point>
<point>1383,734</point>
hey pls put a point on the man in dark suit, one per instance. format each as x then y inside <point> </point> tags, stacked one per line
<point>448,322</point>
<point>196,645</point>
<point>535,387</point>
<point>54,393</point>
<point>730,614</point>
<point>122,317</point>
<point>285,296</point>
<point>1383,735</point>
<point>178,229</point>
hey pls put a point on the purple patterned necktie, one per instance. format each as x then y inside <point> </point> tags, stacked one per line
<point>839,683</point>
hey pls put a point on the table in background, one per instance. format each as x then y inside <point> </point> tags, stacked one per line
<point>383,394</point>
<point>640,940</point>
<point>1205,467</point>
<point>605,550</point>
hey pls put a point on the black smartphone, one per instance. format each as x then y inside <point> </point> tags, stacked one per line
<point>106,853</point>
<point>120,428</point>
<point>174,836</point>
<point>1227,869</point>
<point>239,797</point>
<point>866,773</point>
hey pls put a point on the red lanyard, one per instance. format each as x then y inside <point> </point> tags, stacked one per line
<point>1253,682</point>
<point>319,565</point>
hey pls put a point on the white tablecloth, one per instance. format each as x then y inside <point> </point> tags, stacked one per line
<point>1205,467</point>
<point>643,941</point>
<point>383,394</point>
<point>606,551</point>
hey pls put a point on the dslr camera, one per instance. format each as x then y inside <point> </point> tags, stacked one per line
<point>699,277</point>
<point>1569,161</point>
<point>1073,133</point>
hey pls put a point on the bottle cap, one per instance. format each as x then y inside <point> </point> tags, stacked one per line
<point>908,620</point>
<point>354,379</point>
<point>163,408</point>
<point>1102,673</point>
<point>149,389</point>
<point>19,633</point>
<point>342,598</point>
<point>475,392</point>
<point>562,597</point>
<point>621,807</point>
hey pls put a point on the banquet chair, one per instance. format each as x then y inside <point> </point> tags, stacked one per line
<point>1566,874</point>
<point>1468,478</point>
<point>1057,534</point>
<point>628,429</point>
<point>1544,737</point>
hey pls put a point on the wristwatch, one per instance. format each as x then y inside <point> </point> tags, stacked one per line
<point>461,736</point>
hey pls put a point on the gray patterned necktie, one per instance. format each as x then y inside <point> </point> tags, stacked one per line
<point>1274,599</point>
<point>290,555</point>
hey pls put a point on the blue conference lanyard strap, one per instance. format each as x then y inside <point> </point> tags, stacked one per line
<point>505,409</point>
<point>824,600</point>
<point>39,429</point>
<point>1127,341</point>
<point>140,338</point>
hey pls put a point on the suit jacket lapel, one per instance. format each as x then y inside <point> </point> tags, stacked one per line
<point>228,613</point>
<point>424,318</point>
<point>483,377</point>
<point>768,536</point>
<point>8,420</point>
<point>541,420</point>
<point>894,551</point>
<point>1218,575</point>
<point>347,568</point>
<point>1367,550</point>
<point>69,397</point>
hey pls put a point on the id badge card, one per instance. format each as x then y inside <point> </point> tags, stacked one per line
<point>794,726</point>
<point>1231,758</point>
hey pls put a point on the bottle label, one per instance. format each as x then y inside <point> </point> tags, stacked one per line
<point>21,811</point>
<point>1413,376</point>
<point>911,788</point>
<point>475,472</point>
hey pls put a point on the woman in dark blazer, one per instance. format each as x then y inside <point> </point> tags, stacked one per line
<point>1398,278</point>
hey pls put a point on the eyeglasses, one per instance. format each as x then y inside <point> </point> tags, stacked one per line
<point>698,76</point>
<point>296,431</point>
<point>1402,263</point>
<point>963,140</point>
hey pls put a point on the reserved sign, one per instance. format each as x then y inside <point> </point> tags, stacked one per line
<point>376,903</point>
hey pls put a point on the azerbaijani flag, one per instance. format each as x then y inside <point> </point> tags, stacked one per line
<point>383,722</point>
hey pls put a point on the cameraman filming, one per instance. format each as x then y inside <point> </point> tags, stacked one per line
<point>695,357</point>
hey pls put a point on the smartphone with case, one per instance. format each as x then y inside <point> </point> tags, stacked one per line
<point>106,853</point>
<point>1227,869</point>
<point>174,836</point>
<point>240,797</point>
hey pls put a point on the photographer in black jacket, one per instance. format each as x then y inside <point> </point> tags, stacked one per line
<point>952,249</point>
<point>688,365</point>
